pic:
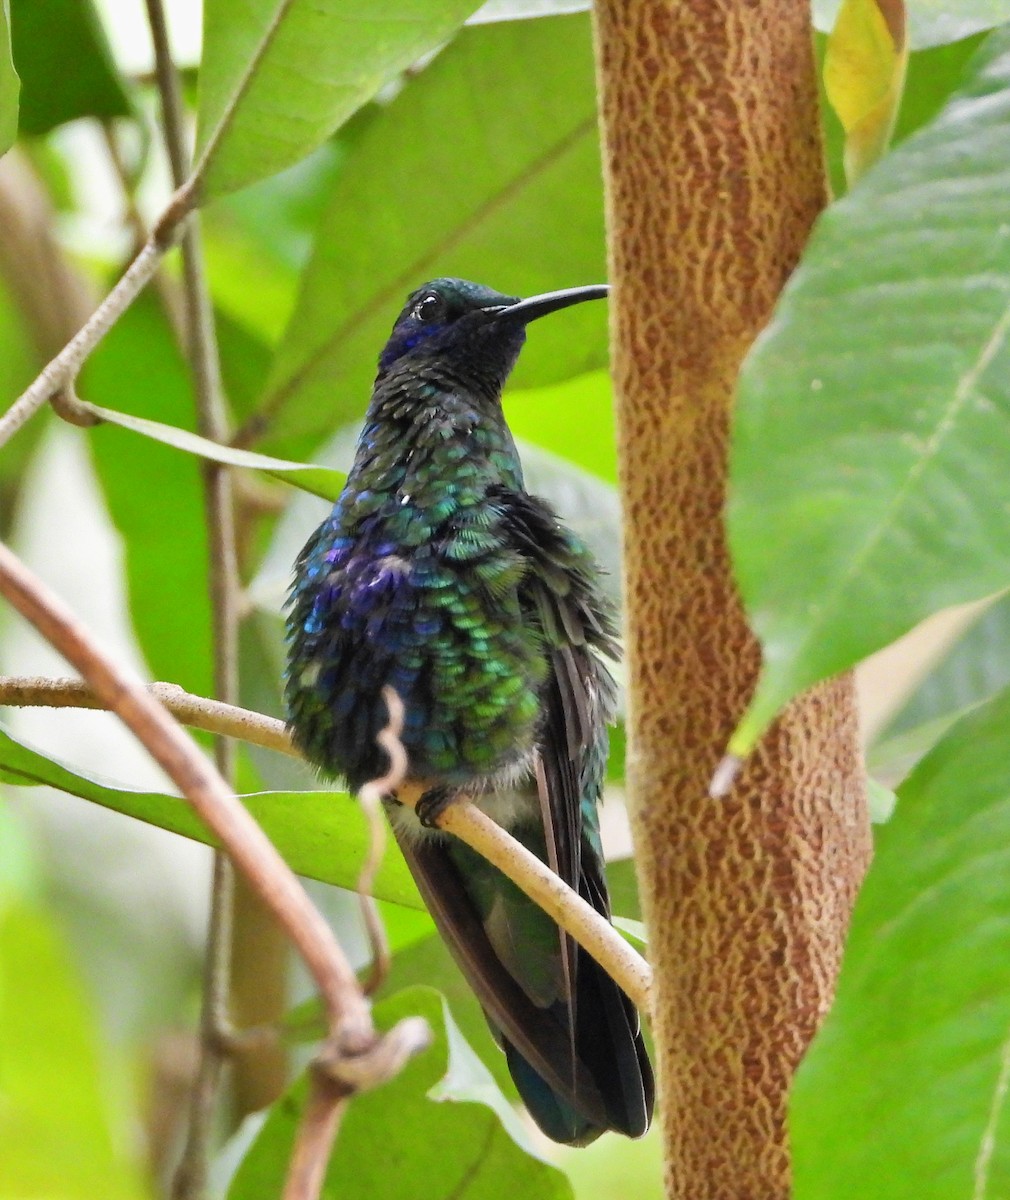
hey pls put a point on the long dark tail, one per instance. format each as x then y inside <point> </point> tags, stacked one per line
<point>580,1067</point>
<point>608,1041</point>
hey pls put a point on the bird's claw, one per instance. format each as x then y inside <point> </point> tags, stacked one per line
<point>432,804</point>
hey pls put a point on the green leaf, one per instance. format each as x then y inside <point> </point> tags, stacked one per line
<point>9,84</point>
<point>428,963</point>
<point>256,242</point>
<point>278,77</point>
<point>907,1080</point>
<point>634,931</point>
<point>59,1134</point>
<point>439,1129</point>
<point>54,90</point>
<point>155,494</point>
<point>546,416</point>
<point>933,74</point>
<point>881,801</point>
<point>896,755</point>
<point>323,835</point>
<point>870,475</point>
<point>318,481</point>
<point>511,198</point>
<point>933,22</point>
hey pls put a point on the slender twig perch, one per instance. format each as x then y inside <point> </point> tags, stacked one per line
<point>211,716</point>
<point>461,818</point>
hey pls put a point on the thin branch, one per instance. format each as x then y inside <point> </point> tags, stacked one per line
<point>461,818</point>
<point>196,711</point>
<point>212,422</point>
<point>169,293</point>
<point>167,79</point>
<point>326,1101</point>
<point>62,369</point>
<point>593,932</point>
<point>190,1175</point>
<point>331,1083</point>
<point>321,1117</point>
<point>354,1056</point>
<point>212,418</point>
<point>67,405</point>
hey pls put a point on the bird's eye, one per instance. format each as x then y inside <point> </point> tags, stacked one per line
<point>429,308</point>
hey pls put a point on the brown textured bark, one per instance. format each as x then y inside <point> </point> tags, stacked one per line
<point>714,174</point>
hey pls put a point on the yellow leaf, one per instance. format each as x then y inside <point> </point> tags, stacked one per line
<point>864,75</point>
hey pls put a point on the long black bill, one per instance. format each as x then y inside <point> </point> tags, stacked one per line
<point>524,311</point>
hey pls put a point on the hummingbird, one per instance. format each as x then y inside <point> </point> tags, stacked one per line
<point>439,575</point>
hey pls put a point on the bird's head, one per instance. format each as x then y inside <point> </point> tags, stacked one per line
<point>474,329</point>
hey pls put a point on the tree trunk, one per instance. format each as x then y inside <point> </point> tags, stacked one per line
<point>714,176</point>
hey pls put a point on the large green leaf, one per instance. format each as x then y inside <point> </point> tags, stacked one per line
<point>870,473</point>
<point>279,76</point>
<point>58,1128</point>
<point>323,835</point>
<point>507,193</point>
<point>9,85</point>
<point>44,32</point>
<point>548,416</point>
<point>256,242</point>
<point>428,963</point>
<point>522,10</point>
<point>933,22</point>
<point>154,493</point>
<point>440,1129</point>
<point>904,1089</point>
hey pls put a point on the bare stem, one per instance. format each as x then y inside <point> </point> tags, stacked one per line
<point>196,711</point>
<point>64,367</point>
<point>324,1110</point>
<point>212,422</point>
<point>190,1177</point>
<point>168,290</point>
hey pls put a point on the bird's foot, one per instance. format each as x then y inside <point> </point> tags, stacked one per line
<point>432,804</point>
